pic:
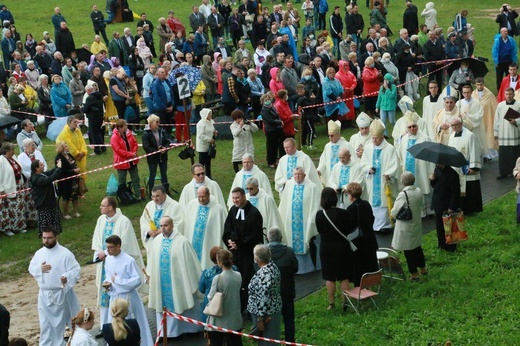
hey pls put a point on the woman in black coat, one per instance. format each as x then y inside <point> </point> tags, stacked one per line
<point>272,128</point>
<point>93,110</point>
<point>154,138</point>
<point>335,253</point>
<point>42,190</point>
<point>360,214</point>
<point>136,66</point>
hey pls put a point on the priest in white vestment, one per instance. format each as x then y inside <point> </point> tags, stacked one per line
<point>189,192</point>
<point>419,168</point>
<point>292,159</point>
<point>432,103</point>
<point>381,167</point>
<point>265,205</point>
<point>472,114</point>
<point>508,135</point>
<point>344,172</point>
<point>56,271</point>
<point>123,279</point>
<point>401,127</point>
<point>464,141</point>
<point>330,155</point>
<point>298,206</point>
<point>160,205</point>
<point>174,275</point>
<point>249,170</point>
<point>112,222</point>
<point>489,103</point>
<point>204,225</point>
<point>359,140</point>
<point>441,122</point>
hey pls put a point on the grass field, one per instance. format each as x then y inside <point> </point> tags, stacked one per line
<point>469,297</point>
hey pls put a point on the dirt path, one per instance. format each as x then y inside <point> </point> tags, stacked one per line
<point>20,297</point>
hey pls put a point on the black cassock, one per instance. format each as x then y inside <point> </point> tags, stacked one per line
<point>246,234</point>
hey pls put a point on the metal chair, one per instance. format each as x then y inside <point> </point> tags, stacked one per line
<point>368,280</point>
<point>391,264</point>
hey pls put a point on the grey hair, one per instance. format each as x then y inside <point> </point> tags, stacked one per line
<point>27,141</point>
<point>42,77</point>
<point>407,178</point>
<point>248,156</point>
<point>89,88</point>
<point>262,254</point>
<point>274,234</point>
<point>252,181</point>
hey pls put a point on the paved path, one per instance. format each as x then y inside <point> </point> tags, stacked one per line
<point>309,283</point>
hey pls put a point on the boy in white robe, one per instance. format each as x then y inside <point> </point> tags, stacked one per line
<point>56,271</point>
<point>123,279</point>
<point>112,221</point>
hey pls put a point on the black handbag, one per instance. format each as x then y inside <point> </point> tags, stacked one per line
<point>212,151</point>
<point>405,213</point>
<point>187,153</point>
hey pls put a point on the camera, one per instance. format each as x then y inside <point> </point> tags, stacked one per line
<point>505,9</point>
<point>374,169</point>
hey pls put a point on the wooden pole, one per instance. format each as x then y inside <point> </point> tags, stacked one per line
<point>165,328</point>
<point>300,129</point>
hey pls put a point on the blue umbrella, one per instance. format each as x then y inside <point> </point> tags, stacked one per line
<point>190,72</point>
<point>55,128</point>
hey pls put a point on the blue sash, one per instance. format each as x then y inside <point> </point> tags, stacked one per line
<point>291,165</point>
<point>297,225</point>
<point>344,176</point>
<point>105,297</point>
<point>334,150</point>
<point>409,163</point>
<point>376,188</point>
<point>200,230</point>
<point>166,277</point>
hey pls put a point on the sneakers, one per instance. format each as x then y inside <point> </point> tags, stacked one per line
<point>76,215</point>
<point>9,233</point>
<point>67,217</point>
<point>23,231</point>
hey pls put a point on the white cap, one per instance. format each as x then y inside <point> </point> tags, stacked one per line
<point>334,127</point>
<point>363,120</point>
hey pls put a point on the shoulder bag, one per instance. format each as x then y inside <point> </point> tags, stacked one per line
<point>352,246</point>
<point>405,213</point>
<point>358,232</point>
<point>214,307</point>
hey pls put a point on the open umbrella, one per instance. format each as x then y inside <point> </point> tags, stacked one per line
<point>477,66</point>
<point>55,128</point>
<point>190,72</point>
<point>8,121</point>
<point>438,153</point>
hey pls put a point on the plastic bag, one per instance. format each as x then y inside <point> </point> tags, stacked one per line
<point>112,185</point>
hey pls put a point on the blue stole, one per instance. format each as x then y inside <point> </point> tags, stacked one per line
<point>344,176</point>
<point>254,201</point>
<point>376,188</point>
<point>334,150</point>
<point>244,178</point>
<point>291,165</point>
<point>200,229</point>
<point>298,239</point>
<point>409,162</point>
<point>165,272</point>
<point>105,297</point>
<point>157,215</point>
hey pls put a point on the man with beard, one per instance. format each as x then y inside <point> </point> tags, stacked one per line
<point>56,271</point>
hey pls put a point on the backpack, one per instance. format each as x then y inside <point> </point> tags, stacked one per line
<point>125,196</point>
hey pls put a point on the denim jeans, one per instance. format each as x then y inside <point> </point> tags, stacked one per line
<point>390,115</point>
<point>110,17</point>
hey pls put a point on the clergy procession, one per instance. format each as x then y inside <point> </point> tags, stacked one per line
<point>226,252</point>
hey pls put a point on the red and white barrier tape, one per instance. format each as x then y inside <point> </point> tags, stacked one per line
<point>225,330</point>
<point>103,168</point>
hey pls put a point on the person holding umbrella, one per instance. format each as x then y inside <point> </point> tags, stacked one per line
<point>461,76</point>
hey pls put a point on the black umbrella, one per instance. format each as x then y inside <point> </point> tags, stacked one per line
<point>477,66</point>
<point>8,121</point>
<point>438,153</point>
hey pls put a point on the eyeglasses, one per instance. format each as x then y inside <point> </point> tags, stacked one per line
<point>455,125</point>
<point>199,174</point>
<point>250,188</point>
<point>111,246</point>
<point>412,126</point>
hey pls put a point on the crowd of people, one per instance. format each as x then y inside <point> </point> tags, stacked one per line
<point>221,244</point>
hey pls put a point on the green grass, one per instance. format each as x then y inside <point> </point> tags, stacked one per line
<point>469,297</point>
